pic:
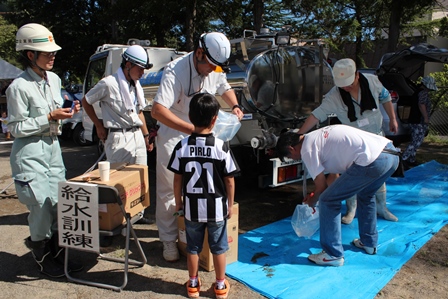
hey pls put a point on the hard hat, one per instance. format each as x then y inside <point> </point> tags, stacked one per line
<point>217,49</point>
<point>429,82</point>
<point>35,37</point>
<point>137,55</point>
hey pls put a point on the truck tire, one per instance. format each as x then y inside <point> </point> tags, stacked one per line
<point>78,136</point>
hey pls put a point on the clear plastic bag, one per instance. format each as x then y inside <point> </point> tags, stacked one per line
<point>305,220</point>
<point>226,126</point>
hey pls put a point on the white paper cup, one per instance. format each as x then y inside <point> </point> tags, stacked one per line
<point>104,168</point>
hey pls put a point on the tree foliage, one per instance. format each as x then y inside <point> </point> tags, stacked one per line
<point>7,41</point>
<point>80,26</point>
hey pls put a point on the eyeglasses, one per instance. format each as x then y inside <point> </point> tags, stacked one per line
<point>49,54</point>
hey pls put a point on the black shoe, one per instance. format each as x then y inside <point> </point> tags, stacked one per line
<point>72,265</point>
<point>144,220</point>
<point>42,255</point>
<point>58,254</point>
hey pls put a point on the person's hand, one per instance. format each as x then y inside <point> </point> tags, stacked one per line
<point>179,210</point>
<point>310,200</point>
<point>101,132</point>
<point>237,111</point>
<point>230,212</point>
<point>62,113</point>
<point>393,126</point>
<point>149,146</point>
<point>77,107</point>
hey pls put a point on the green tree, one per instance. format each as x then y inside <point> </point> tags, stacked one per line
<point>7,41</point>
<point>402,13</point>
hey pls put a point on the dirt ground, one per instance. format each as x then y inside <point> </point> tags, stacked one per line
<point>424,276</point>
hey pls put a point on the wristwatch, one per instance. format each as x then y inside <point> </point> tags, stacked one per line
<point>237,106</point>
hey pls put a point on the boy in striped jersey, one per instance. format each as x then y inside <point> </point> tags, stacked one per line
<point>204,169</point>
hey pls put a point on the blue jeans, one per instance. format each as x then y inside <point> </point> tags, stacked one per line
<point>363,181</point>
<point>217,236</point>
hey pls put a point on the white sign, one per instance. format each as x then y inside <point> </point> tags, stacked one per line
<point>78,216</point>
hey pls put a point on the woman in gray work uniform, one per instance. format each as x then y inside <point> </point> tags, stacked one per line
<point>34,108</point>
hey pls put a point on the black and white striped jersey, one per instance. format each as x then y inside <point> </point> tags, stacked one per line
<point>203,161</point>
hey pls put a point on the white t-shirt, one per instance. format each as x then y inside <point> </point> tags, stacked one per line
<point>334,149</point>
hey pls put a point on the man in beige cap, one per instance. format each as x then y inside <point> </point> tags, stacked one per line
<point>355,100</point>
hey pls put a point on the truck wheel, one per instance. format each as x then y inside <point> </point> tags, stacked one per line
<point>78,136</point>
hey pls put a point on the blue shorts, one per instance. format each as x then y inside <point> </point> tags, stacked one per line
<point>217,236</point>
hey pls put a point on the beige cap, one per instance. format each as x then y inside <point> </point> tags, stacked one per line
<point>344,71</point>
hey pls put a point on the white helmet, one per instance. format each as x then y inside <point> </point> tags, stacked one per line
<point>217,49</point>
<point>138,56</point>
<point>429,82</point>
<point>35,37</point>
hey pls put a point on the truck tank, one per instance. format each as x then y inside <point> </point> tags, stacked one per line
<point>277,85</point>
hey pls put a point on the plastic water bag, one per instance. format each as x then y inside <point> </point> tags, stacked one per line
<point>305,220</point>
<point>226,126</point>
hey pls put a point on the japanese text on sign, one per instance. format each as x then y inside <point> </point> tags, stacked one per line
<point>78,216</point>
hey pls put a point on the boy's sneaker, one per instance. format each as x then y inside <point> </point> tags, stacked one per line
<point>368,250</point>
<point>325,259</point>
<point>222,293</point>
<point>193,292</point>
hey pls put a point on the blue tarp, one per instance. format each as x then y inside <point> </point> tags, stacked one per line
<point>272,260</point>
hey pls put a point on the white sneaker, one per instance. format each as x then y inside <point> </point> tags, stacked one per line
<point>368,250</point>
<point>170,251</point>
<point>325,259</point>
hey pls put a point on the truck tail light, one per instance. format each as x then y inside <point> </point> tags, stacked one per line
<point>394,95</point>
<point>287,173</point>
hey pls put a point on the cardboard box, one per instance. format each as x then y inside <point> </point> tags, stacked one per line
<point>132,184</point>
<point>206,257</point>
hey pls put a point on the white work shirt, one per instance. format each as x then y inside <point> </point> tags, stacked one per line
<point>180,82</point>
<point>334,149</point>
<point>114,112</point>
<point>370,121</point>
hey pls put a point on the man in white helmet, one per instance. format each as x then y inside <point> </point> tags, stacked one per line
<point>123,128</point>
<point>198,71</point>
<point>35,110</point>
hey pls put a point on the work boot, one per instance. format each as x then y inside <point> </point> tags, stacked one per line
<point>58,254</point>
<point>351,210</point>
<point>42,255</point>
<point>381,208</point>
